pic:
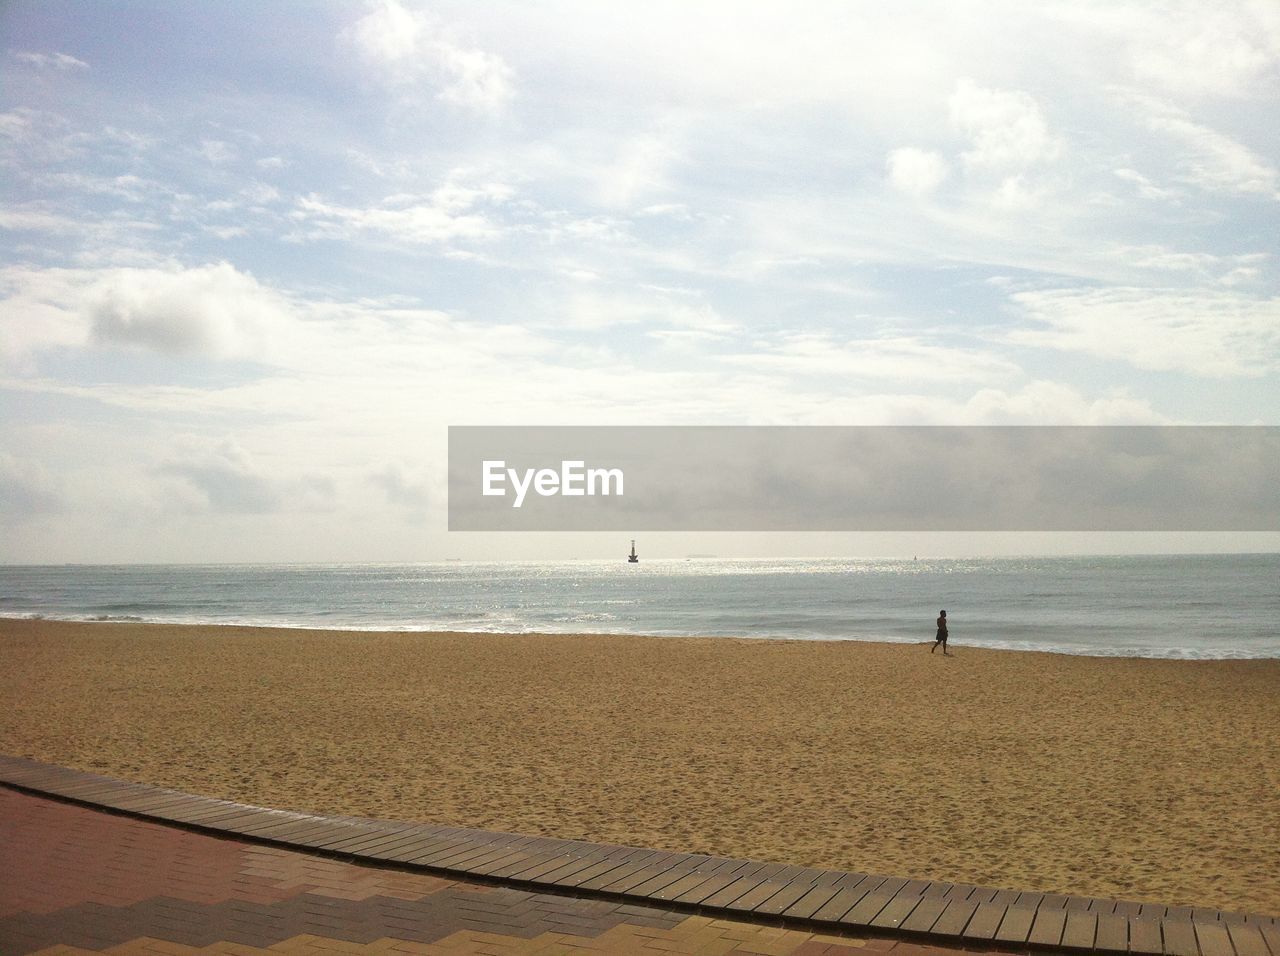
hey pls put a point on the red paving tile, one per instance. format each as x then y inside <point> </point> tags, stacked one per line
<point>847,903</point>
<point>79,880</point>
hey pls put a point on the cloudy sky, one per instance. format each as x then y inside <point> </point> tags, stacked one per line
<point>257,257</point>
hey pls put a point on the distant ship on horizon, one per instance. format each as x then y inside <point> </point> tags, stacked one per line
<point>633,558</point>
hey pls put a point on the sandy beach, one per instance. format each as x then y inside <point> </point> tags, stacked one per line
<point>1143,779</point>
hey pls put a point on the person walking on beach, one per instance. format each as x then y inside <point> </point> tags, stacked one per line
<point>942,635</point>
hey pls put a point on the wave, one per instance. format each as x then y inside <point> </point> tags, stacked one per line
<point>83,618</point>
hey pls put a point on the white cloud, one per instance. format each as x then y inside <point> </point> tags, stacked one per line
<point>37,218</point>
<point>655,310</point>
<point>35,140</point>
<point>217,151</point>
<point>916,172</point>
<point>454,196</point>
<point>677,211</point>
<point>17,124</point>
<point>26,488</point>
<point>211,310</point>
<point>1209,55</point>
<point>1184,47</point>
<point>1206,49</point>
<point>435,219</point>
<point>1241,275</point>
<point>128,186</point>
<point>1203,333</point>
<point>1212,160</point>
<point>1191,265</point>
<point>37,313</point>
<point>402,487</point>
<point>258,194</point>
<point>1005,128</point>
<point>475,79</point>
<point>389,32</point>
<point>91,242</point>
<point>908,359</point>
<point>410,49</point>
<point>686,340</point>
<point>54,61</point>
<point>1052,403</point>
<point>1039,402</point>
<point>558,226</point>
<point>226,232</point>
<point>1144,186</point>
<point>639,170</point>
<point>1019,192</point>
<point>226,478</point>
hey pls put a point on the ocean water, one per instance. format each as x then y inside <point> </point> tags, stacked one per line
<point>1173,606</point>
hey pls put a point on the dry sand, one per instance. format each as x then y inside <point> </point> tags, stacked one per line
<point>1149,780</point>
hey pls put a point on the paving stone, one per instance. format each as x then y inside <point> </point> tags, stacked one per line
<point>77,880</point>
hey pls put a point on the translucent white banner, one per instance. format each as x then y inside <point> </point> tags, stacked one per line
<point>714,478</point>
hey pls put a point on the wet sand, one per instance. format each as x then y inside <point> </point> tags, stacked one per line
<point>1149,780</point>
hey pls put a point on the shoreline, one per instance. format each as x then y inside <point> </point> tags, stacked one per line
<point>1140,778</point>
<point>138,622</point>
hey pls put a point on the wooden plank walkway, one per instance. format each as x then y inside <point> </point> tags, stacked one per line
<point>771,892</point>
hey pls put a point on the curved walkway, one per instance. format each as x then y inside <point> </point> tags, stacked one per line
<point>78,877</point>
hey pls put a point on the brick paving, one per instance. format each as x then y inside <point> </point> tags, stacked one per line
<point>74,880</point>
<point>734,895</point>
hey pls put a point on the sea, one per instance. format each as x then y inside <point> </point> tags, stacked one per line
<point>1160,606</point>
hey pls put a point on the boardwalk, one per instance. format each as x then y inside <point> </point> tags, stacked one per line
<point>617,883</point>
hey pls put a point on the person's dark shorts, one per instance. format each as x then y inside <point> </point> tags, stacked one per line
<point>942,636</point>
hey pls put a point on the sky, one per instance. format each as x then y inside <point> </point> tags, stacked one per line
<point>256,258</point>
